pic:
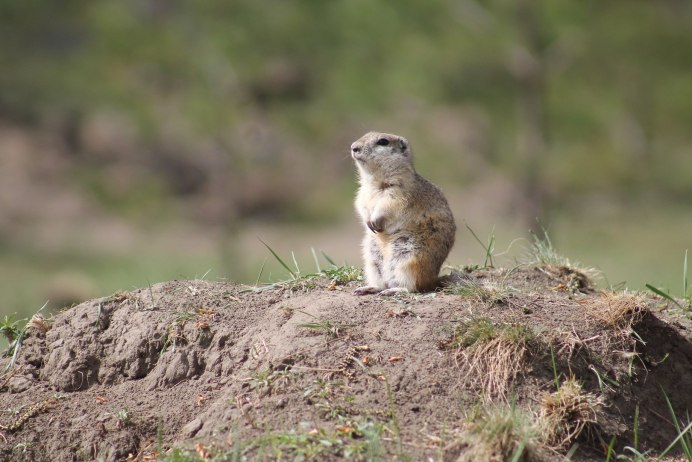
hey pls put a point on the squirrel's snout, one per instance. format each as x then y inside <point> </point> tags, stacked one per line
<point>356,149</point>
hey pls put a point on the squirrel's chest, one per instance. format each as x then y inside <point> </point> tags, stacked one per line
<point>371,199</point>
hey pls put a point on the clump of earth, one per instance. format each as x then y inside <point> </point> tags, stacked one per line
<point>203,370</point>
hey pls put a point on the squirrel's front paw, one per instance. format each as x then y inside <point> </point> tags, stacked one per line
<point>376,226</point>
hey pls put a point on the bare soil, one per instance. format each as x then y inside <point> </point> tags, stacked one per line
<point>215,366</point>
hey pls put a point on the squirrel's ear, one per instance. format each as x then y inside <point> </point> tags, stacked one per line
<point>403,143</point>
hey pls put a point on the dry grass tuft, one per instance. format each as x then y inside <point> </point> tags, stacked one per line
<point>492,355</point>
<point>505,432</point>
<point>39,323</point>
<point>502,433</point>
<point>566,413</point>
<point>618,310</point>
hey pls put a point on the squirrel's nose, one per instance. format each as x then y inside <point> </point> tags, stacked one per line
<point>355,148</point>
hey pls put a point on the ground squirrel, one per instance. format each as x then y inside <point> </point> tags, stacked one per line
<point>409,228</point>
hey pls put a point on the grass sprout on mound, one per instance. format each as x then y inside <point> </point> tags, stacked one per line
<point>337,275</point>
<point>10,328</point>
<point>572,275</point>
<point>566,413</point>
<point>502,433</point>
<point>486,292</point>
<point>15,334</point>
<point>329,328</point>
<point>542,252</point>
<point>350,440</point>
<point>492,355</point>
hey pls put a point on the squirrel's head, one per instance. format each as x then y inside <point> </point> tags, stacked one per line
<point>382,152</point>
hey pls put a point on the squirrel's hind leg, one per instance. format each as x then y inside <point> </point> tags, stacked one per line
<point>373,261</point>
<point>411,274</point>
<point>367,290</point>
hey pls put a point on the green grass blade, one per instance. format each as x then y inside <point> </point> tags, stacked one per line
<point>658,291</point>
<point>516,457</point>
<point>488,248</point>
<point>278,258</point>
<point>317,262</point>
<point>684,277</point>
<point>474,235</point>
<point>672,411</point>
<point>17,346</point>
<point>295,262</point>
<point>611,449</point>
<point>638,456</point>
<point>571,452</point>
<point>328,258</point>
<point>259,276</point>
<point>307,314</point>
<point>601,385</point>
<point>683,441</point>
<point>635,430</point>
<point>554,365</point>
<point>681,438</point>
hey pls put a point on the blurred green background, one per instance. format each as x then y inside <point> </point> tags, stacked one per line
<point>143,141</point>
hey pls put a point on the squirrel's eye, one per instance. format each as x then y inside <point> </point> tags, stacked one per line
<point>383,142</point>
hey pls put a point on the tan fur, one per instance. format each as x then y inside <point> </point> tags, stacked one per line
<point>409,227</point>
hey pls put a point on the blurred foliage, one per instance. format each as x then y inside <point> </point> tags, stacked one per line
<point>617,94</point>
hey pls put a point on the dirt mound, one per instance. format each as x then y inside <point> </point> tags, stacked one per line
<point>307,370</point>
